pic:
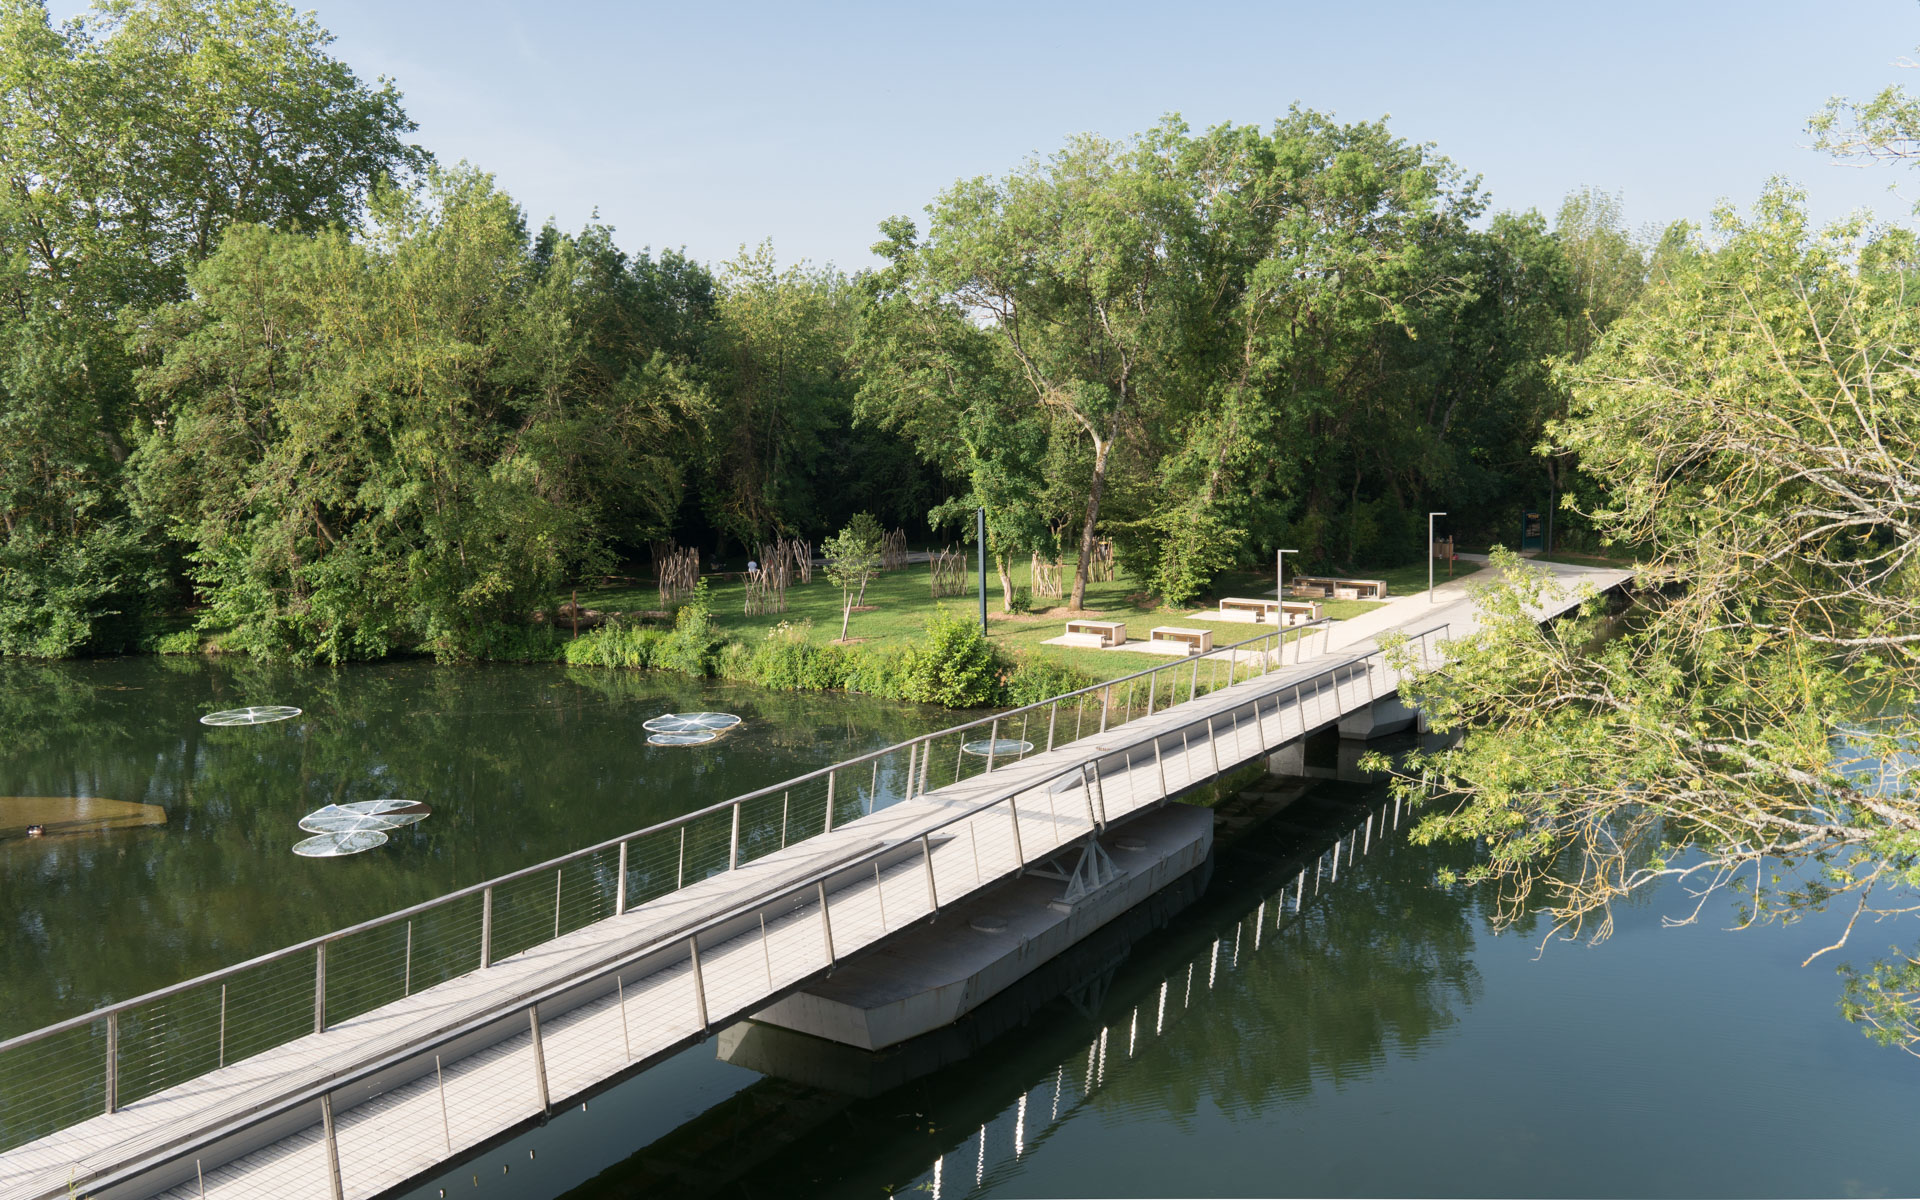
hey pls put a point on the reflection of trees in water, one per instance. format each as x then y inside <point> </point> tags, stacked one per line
<point>1247,1001</point>
<point>520,764</point>
<point>1381,961</point>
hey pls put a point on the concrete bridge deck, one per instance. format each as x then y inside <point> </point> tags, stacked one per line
<point>382,1098</point>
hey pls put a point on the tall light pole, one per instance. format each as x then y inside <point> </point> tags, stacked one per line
<point>1280,577</point>
<point>1430,517</point>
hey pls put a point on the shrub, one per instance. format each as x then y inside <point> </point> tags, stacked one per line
<point>690,648</point>
<point>884,671</point>
<point>733,660</point>
<point>616,646</point>
<point>1034,679</point>
<point>789,660</point>
<point>180,641</point>
<point>1022,601</point>
<point>954,665</point>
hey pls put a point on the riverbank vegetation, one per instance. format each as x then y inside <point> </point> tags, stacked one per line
<point>271,371</point>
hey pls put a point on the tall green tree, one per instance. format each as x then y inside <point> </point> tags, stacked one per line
<point>403,440</point>
<point>1067,259</point>
<point>130,139</point>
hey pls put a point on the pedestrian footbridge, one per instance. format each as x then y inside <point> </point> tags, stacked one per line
<point>356,1063</point>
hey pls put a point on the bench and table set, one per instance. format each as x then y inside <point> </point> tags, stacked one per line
<point>1319,587</point>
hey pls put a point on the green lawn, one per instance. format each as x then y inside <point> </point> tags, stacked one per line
<point>901,600</point>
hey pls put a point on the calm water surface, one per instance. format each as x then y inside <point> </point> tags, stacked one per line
<point>519,763</point>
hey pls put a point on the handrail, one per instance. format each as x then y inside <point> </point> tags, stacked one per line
<point>120,1006</point>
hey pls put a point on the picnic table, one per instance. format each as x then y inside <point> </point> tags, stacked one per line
<point>1319,587</point>
<point>1199,641</point>
<point>1099,633</point>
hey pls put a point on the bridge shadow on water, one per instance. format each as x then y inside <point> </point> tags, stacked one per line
<point>1310,946</point>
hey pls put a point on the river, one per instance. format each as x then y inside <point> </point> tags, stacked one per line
<point>1279,1031</point>
<point>519,763</point>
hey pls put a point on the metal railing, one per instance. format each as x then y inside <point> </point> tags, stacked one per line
<point>66,1072</point>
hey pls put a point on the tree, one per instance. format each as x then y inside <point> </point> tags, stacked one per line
<point>1223,341</point>
<point>953,391</point>
<point>1068,259</point>
<point>400,440</point>
<point>130,139</point>
<point>1754,425</point>
<point>853,556</point>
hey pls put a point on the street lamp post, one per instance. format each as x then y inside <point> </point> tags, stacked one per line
<point>1430,517</point>
<point>1280,576</point>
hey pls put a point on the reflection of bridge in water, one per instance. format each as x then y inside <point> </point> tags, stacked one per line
<point>358,1062</point>
<point>994,1151</point>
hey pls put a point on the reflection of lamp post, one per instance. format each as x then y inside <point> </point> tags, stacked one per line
<point>1280,579</point>
<point>1430,517</point>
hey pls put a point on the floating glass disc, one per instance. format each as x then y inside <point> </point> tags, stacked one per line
<point>679,739</point>
<point>338,845</point>
<point>365,814</point>
<point>1004,748</point>
<point>691,723</point>
<point>250,716</point>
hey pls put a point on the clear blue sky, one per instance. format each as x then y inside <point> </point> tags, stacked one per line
<point>710,125</point>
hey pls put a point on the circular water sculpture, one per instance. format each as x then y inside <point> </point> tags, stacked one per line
<point>338,845</point>
<point>679,739</point>
<point>383,814</point>
<point>260,715</point>
<point>1004,748</point>
<point>700,722</point>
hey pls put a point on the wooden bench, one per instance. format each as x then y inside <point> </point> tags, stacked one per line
<point>1109,633</point>
<point>1199,641</point>
<point>1298,612</point>
<point>1260,609</point>
<point>1319,587</point>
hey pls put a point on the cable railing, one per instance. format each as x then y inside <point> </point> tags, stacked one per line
<point>98,1062</point>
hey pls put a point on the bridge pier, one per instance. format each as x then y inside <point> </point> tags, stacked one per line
<point>1389,714</point>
